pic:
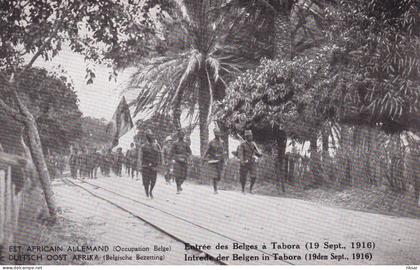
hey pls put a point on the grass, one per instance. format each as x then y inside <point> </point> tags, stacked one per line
<point>35,230</point>
<point>373,199</point>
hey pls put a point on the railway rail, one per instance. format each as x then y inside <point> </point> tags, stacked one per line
<point>179,218</point>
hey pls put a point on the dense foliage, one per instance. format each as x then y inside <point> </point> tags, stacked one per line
<point>365,72</point>
<point>54,104</point>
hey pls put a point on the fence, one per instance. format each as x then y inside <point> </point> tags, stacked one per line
<point>10,200</point>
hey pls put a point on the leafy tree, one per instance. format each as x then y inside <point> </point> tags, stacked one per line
<point>104,31</point>
<point>377,59</point>
<point>94,132</point>
<point>282,97</point>
<point>352,72</point>
<point>203,49</point>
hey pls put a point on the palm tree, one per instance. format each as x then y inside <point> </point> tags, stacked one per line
<point>292,25</point>
<point>205,48</point>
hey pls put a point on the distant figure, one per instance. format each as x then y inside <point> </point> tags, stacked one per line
<point>108,161</point>
<point>61,164</point>
<point>127,163</point>
<point>132,155</point>
<point>82,163</point>
<point>215,157</point>
<point>150,160</point>
<point>52,166</point>
<point>89,164</point>
<point>180,153</point>
<point>138,143</point>
<point>246,153</point>
<point>166,158</point>
<point>119,159</point>
<point>95,162</point>
<point>73,163</point>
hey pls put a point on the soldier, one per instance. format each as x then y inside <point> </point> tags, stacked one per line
<point>180,152</point>
<point>127,162</point>
<point>96,162</point>
<point>89,164</point>
<point>246,153</point>
<point>52,165</point>
<point>138,143</point>
<point>102,161</point>
<point>119,159</point>
<point>108,160</point>
<point>166,151</point>
<point>132,159</point>
<point>61,164</point>
<point>215,156</point>
<point>82,163</point>
<point>150,152</point>
<point>73,163</point>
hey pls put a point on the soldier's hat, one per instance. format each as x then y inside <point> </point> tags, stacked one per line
<point>181,132</point>
<point>248,132</point>
<point>169,138</point>
<point>217,131</point>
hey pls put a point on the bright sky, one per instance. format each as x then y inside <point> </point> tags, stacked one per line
<point>99,99</point>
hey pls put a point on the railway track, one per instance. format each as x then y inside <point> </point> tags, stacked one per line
<point>178,218</point>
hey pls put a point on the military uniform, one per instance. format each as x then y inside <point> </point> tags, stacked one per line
<point>215,158</point>
<point>73,165</point>
<point>167,162</point>
<point>81,162</point>
<point>108,160</point>
<point>119,159</point>
<point>180,151</point>
<point>96,160</point>
<point>246,153</point>
<point>150,161</point>
<point>132,156</point>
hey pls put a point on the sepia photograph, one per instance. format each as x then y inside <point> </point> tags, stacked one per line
<point>209,132</point>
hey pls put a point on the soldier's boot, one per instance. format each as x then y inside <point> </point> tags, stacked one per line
<point>152,185</point>
<point>146,189</point>
<point>252,185</point>
<point>215,186</point>
<point>243,187</point>
<point>178,187</point>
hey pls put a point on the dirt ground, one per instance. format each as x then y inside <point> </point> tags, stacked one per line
<point>88,221</point>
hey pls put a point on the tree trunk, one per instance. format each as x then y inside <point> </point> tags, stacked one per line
<point>176,111</point>
<point>203,106</point>
<point>38,157</point>
<point>282,47</point>
<point>281,153</point>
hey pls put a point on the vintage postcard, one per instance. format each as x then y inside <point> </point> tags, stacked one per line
<point>209,132</point>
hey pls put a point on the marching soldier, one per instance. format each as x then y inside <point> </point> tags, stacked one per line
<point>166,151</point>
<point>108,160</point>
<point>246,153</point>
<point>89,164</point>
<point>127,162</point>
<point>81,161</point>
<point>180,152</point>
<point>138,143</point>
<point>73,163</point>
<point>96,162</point>
<point>215,157</point>
<point>132,159</point>
<point>150,153</point>
<point>119,159</point>
<point>61,164</point>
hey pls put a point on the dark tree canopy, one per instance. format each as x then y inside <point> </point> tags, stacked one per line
<point>365,72</point>
<point>54,104</point>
